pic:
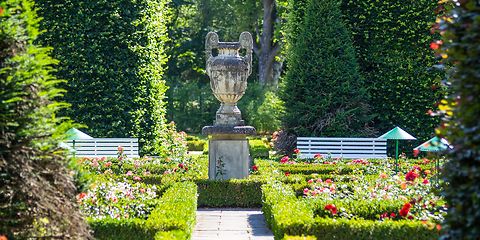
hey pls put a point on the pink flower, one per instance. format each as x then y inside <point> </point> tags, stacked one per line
<point>120,148</point>
<point>306,191</point>
<point>319,180</point>
<point>317,156</point>
<point>114,199</point>
<point>137,178</point>
<point>142,190</point>
<point>383,175</point>
<point>328,181</point>
<point>94,163</point>
<point>108,164</point>
<point>296,151</point>
<point>284,159</point>
<point>425,181</point>
<point>310,181</point>
<point>129,173</point>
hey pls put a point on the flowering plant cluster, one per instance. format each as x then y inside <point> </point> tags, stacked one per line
<point>412,188</point>
<point>118,200</point>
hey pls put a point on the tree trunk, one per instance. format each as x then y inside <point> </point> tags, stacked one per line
<point>264,46</point>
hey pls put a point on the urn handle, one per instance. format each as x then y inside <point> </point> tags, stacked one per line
<point>211,42</point>
<point>246,42</point>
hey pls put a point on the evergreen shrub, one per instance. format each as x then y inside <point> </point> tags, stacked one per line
<point>323,91</point>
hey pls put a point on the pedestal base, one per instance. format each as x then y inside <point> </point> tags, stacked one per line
<point>228,152</point>
<point>228,159</point>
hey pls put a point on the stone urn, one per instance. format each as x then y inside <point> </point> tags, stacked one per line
<point>228,72</point>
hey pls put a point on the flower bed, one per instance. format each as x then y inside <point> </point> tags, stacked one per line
<point>352,199</point>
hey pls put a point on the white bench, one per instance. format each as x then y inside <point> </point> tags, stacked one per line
<point>342,147</point>
<point>104,147</point>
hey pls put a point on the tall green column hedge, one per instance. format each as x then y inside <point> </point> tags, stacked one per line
<point>36,189</point>
<point>462,120</point>
<point>391,41</point>
<point>323,92</point>
<point>112,53</point>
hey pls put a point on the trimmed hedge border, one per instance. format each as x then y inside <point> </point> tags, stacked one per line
<point>173,218</point>
<point>232,193</point>
<point>286,215</point>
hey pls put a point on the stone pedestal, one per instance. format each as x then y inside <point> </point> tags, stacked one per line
<point>228,152</point>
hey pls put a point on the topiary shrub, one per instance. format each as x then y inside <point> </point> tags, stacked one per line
<point>461,125</point>
<point>36,189</point>
<point>113,55</point>
<point>324,93</point>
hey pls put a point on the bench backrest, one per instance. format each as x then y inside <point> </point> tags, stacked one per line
<point>104,147</point>
<point>342,147</point>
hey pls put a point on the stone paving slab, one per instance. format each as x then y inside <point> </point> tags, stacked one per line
<point>231,224</point>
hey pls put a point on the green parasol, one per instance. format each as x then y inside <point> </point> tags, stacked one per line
<point>75,134</point>
<point>397,134</point>
<point>435,144</point>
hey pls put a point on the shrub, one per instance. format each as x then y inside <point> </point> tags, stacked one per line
<point>324,93</point>
<point>232,193</point>
<point>196,145</point>
<point>113,56</point>
<point>462,171</point>
<point>258,148</point>
<point>36,189</point>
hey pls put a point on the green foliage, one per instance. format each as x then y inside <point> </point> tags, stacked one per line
<point>35,187</point>
<point>287,237</point>
<point>462,171</point>
<point>262,108</point>
<point>324,93</point>
<point>110,229</point>
<point>177,209</point>
<point>325,228</point>
<point>113,56</point>
<point>231,193</point>
<point>259,148</point>
<point>196,144</point>
<point>391,40</point>
<point>370,210</point>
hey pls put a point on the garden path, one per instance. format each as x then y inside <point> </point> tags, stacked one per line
<point>231,224</point>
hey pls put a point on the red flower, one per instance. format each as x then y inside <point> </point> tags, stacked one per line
<point>181,165</point>
<point>434,46</point>
<point>416,152</point>
<point>393,215</point>
<point>425,181</point>
<point>317,156</point>
<point>296,151</point>
<point>254,168</point>
<point>284,159</point>
<point>81,196</point>
<point>328,181</point>
<point>287,174</point>
<point>405,209</point>
<point>1,13</point>
<point>411,176</point>
<point>332,208</point>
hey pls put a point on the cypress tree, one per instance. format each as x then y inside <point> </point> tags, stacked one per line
<point>323,90</point>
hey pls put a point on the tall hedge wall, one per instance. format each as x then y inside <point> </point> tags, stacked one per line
<point>36,189</point>
<point>112,54</point>
<point>392,40</point>
<point>462,125</point>
<point>324,93</point>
